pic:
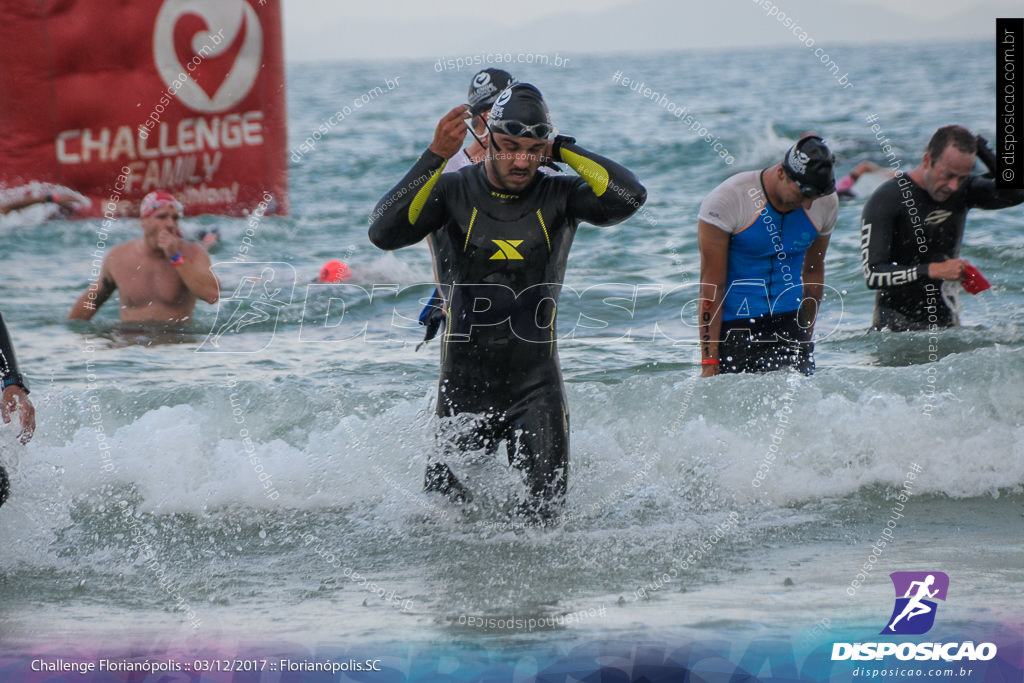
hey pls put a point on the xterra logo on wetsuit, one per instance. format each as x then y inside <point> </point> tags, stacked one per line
<point>507,250</point>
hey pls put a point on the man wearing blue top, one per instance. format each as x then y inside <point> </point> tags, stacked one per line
<point>762,238</point>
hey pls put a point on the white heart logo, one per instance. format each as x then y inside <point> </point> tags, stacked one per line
<point>225,20</point>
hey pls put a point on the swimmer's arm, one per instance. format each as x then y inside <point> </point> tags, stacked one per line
<point>983,194</point>
<point>19,204</point>
<point>813,276</point>
<point>612,193</point>
<point>876,234</point>
<point>15,397</point>
<point>714,266</point>
<point>94,296</point>
<point>414,208</point>
<point>8,361</point>
<point>15,400</point>
<point>24,202</point>
<point>196,273</point>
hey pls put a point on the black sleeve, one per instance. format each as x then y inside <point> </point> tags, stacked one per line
<point>412,209</point>
<point>983,194</point>
<point>8,362</point>
<point>987,157</point>
<point>877,230</point>
<point>611,194</point>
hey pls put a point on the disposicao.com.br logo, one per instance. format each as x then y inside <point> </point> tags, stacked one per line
<point>918,600</point>
<point>914,614</point>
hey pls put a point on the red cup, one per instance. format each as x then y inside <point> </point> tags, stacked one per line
<point>973,281</point>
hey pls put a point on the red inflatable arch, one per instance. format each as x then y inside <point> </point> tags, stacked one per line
<point>115,98</point>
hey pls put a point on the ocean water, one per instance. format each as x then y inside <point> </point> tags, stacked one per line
<point>141,523</point>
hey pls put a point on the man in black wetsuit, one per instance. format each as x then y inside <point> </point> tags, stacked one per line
<point>501,232</point>
<point>484,89</point>
<point>912,227</point>
<point>15,399</point>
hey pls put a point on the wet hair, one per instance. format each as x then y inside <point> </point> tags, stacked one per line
<point>957,136</point>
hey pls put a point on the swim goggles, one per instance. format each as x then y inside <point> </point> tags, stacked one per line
<point>518,129</point>
<point>808,191</point>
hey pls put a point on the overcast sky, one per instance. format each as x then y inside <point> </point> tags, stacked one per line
<point>319,30</point>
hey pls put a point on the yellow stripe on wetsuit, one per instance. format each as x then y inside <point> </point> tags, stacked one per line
<point>544,228</point>
<point>420,200</point>
<point>472,219</point>
<point>594,173</point>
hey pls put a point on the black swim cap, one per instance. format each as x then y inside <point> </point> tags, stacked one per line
<point>520,111</point>
<point>485,88</point>
<point>810,163</point>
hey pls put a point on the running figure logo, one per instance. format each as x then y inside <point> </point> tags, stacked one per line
<point>247,319</point>
<point>915,608</point>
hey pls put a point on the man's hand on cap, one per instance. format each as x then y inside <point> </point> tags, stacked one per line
<point>450,133</point>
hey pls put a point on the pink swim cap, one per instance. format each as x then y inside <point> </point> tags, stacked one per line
<point>155,201</point>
